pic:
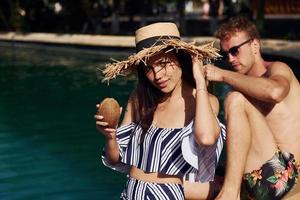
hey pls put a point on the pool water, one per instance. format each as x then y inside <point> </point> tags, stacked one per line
<point>49,147</point>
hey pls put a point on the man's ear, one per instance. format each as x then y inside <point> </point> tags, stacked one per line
<point>256,45</point>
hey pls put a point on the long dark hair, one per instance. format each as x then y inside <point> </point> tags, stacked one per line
<point>149,96</point>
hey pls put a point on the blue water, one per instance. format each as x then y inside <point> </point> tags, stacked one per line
<point>49,147</point>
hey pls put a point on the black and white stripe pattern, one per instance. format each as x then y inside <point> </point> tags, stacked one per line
<point>160,151</point>
<point>205,159</point>
<point>209,158</point>
<point>136,189</point>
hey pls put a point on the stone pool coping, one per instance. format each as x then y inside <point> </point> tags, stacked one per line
<point>269,46</point>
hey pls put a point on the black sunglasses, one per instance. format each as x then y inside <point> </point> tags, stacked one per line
<point>234,51</point>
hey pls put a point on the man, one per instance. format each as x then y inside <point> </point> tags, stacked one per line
<point>262,114</point>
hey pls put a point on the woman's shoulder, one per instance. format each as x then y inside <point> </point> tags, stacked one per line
<point>130,114</point>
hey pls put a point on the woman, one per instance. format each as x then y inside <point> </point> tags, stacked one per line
<point>170,105</point>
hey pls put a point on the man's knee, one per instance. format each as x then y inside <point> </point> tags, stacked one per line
<point>234,100</point>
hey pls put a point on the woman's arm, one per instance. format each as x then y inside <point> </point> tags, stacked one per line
<point>111,146</point>
<point>207,107</point>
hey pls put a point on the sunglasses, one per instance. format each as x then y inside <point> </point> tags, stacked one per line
<point>234,51</point>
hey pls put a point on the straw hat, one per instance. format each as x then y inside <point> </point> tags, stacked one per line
<point>150,40</point>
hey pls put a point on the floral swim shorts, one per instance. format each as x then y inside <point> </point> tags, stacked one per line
<point>273,180</point>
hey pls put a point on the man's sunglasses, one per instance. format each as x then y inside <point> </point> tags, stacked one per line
<point>234,51</point>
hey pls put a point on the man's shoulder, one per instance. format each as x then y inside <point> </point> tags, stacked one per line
<point>279,68</point>
<point>277,65</point>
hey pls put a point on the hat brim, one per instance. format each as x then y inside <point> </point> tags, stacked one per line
<point>206,51</point>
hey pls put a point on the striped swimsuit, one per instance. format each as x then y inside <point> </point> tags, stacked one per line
<point>160,152</point>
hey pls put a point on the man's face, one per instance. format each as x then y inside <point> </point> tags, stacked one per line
<point>238,51</point>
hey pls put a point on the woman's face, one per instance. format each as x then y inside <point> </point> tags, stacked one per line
<point>163,71</point>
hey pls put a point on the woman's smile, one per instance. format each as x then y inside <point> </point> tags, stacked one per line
<point>162,84</point>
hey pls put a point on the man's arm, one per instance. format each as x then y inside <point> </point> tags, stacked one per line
<point>272,88</point>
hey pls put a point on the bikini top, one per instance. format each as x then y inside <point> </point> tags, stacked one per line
<point>162,150</point>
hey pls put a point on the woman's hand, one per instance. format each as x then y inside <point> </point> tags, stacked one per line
<point>198,71</point>
<point>103,127</point>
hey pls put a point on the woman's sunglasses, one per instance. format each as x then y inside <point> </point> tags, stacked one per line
<point>234,51</point>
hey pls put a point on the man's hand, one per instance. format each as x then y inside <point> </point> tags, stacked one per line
<point>213,73</point>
